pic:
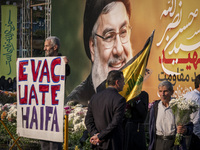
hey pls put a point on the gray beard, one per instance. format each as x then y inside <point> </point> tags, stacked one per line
<point>50,53</point>
<point>47,55</point>
<point>99,74</point>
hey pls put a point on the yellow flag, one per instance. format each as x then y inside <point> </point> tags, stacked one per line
<point>134,72</point>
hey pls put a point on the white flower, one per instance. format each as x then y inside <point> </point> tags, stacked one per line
<point>79,125</point>
<point>70,116</point>
<point>182,108</point>
<point>77,119</point>
<point>77,116</point>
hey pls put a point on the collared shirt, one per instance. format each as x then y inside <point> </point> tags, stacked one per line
<point>195,95</point>
<point>165,122</point>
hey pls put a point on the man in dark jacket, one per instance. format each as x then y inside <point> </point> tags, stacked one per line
<point>136,112</point>
<point>105,114</point>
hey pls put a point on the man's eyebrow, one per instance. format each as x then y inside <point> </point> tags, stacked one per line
<point>107,30</point>
<point>111,29</point>
<point>123,24</point>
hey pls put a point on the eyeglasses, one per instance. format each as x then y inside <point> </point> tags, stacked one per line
<point>110,37</point>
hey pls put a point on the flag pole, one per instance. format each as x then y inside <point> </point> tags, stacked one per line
<point>66,133</point>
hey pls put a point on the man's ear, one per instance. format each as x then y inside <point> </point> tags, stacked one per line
<point>91,45</point>
<point>55,47</point>
<point>117,83</point>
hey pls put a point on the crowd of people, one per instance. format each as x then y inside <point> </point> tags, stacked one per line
<point>107,45</point>
<point>8,84</point>
<point>109,128</point>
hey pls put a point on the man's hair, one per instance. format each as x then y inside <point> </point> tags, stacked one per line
<point>197,81</point>
<point>167,84</point>
<point>54,41</point>
<point>93,9</point>
<point>113,76</point>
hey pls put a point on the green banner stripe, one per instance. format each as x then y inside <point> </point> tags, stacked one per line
<point>8,41</point>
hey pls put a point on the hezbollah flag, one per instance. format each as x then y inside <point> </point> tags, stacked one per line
<point>134,71</point>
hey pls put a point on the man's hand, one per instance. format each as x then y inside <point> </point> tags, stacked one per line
<point>95,140</point>
<point>181,129</point>
<point>65,59</point>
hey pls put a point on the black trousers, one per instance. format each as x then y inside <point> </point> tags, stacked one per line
<point>48,145</point>
<point>195,142</point>
<point>134,136</point>
<point>164,144</point>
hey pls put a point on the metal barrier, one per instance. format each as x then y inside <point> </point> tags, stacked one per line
<point>15,140</point>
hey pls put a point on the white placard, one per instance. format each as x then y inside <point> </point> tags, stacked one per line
<point>40,98</point>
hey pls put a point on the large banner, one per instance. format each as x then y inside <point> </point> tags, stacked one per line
<point>8,41</point>
<point>175,51</point>
<point>176,47</point>
<point>40,98</point>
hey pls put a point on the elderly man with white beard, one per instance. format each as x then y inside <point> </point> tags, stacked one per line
<point>107,43</point>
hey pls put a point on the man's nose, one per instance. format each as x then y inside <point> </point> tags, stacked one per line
<point>161,93</point>
<point>118,48</point>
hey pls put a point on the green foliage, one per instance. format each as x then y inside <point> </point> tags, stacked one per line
<point>6,141</point>
<point>32,144</point>
<point>5,137</point>
<point>74,138</point>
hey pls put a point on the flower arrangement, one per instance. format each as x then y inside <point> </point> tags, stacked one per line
<point>9,112</point>
<point>182,109</point>
<point>76,118</point>
<point>76,115</point>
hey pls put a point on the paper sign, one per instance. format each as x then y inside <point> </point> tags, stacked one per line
<point>40,98</point>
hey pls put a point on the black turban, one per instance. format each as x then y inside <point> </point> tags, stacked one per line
<point>93,9</point>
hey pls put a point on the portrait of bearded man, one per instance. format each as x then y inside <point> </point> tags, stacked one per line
<point>106,35</point>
